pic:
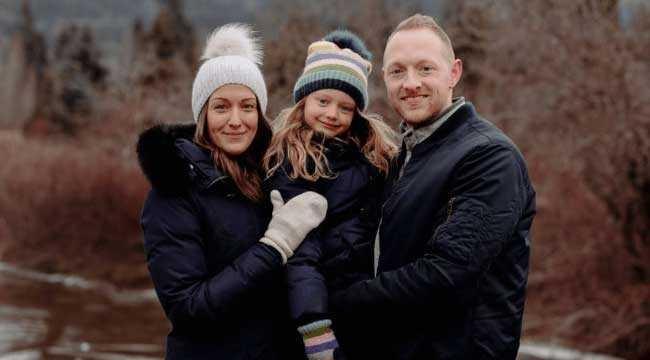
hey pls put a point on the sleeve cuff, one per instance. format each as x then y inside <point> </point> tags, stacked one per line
<point>315,327</point>
<point>276,247</point>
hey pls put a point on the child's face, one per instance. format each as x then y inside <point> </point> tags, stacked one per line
<point>329,111</point>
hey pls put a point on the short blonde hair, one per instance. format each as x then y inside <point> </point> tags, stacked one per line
<point>419,21</point>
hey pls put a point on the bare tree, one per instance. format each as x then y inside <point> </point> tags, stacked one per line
<point>164,60</point>
<point>79,79</point>
<point>567,82</point>
<point>25,83</point>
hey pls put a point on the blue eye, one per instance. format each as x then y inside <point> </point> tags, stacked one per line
<point>426,69</point>
<point>396,72</point>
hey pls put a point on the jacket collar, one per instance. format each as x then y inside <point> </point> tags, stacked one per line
<point>159,160</point>
<point>413,136</point>
<point>457,119</point>
<point>171,161</point>
<point>199,163</point>
<point>339,152</point>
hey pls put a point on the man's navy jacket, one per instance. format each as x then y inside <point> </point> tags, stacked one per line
<point>454,249</point>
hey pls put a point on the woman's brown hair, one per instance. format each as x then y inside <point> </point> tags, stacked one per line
<point>244,169</point>
<point>294,141</point>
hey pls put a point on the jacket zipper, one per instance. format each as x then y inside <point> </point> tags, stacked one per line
<point>215,181</point>
<point>450,210</point>
<point>450,207</point>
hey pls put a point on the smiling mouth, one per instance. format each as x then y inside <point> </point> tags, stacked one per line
<point>413,97</point>
<point>329,126</point>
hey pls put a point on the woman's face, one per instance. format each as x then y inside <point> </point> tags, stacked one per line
<point>329,111</point>
<point>232,118</point>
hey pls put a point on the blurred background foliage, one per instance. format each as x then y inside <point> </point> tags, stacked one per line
<point>566,80</point>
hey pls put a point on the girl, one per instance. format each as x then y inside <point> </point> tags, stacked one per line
<point>215,264</point>
<point>327,144</point>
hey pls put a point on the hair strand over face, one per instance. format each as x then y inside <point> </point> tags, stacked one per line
<point>243,169</point>
<point>295,143</point>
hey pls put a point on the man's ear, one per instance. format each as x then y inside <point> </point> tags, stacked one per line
<point>456,72</point>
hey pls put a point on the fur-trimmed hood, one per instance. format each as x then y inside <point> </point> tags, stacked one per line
<point>171,161</point>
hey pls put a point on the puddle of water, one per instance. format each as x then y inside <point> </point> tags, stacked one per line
<point>534,351</point>
<point>55,317</point>
<point>22,355</point>
<point>20,327</point>
<point>44,316</point>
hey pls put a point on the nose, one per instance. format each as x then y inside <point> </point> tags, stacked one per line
<point>412,81</point>
<point>235,119</point>
<point>330,112</point>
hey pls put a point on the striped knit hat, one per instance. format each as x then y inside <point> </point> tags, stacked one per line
<point>339,61</point>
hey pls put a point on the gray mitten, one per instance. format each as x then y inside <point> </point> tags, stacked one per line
<point>292,221</point>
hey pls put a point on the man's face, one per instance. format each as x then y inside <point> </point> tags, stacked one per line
<point>419,75</point>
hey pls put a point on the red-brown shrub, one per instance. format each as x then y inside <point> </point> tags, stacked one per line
<point>563,79</point>
<point>71,208</point>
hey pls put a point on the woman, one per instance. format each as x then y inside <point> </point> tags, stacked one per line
<point>216,266</point>
<point>327,143</point>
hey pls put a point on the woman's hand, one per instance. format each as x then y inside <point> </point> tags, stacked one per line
<point>292,221</point>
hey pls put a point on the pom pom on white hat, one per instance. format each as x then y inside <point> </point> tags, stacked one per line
<point>232,55</point>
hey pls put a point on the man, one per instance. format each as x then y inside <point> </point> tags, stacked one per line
<point>452,250</point>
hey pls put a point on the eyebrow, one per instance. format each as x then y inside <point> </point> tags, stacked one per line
<point>394,64</point>
<point>228,100</point>
<point>213,100</point>
<point>427,61</point>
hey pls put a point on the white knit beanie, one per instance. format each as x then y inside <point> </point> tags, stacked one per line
<point>232,56</point>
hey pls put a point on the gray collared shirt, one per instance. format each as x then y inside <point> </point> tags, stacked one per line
<point>411,137</point>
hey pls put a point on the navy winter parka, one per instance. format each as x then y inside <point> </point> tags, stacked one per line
<point>338,252</point>
<point>222,290</point>
<point>454,249</point>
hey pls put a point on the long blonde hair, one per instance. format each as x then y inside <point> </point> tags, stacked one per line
<point>243,169</point>
<point>294,141</point>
